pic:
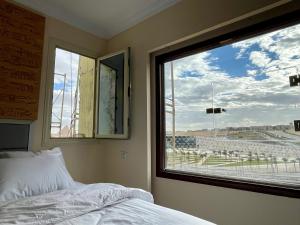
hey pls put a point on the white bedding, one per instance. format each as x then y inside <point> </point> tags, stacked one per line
<point>93,204</point>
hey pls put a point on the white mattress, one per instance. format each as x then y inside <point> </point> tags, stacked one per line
<point>107,204</point>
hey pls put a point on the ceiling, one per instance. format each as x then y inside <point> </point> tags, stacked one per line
<point>104,18</point>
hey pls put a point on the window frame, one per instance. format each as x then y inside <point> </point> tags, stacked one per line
<point>47,141</point>
<point>260,28</point>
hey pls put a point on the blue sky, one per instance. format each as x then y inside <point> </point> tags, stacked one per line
<point>250,80</point>
<point>225,58</point>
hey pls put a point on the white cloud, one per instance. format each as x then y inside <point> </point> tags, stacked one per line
<point>259,58</point>
<point>251,72</point>
<point>249,100</point>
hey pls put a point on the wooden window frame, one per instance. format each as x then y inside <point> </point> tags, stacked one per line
<point>266,26</point>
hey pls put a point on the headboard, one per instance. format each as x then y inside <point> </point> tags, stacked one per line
<point>14,137</point>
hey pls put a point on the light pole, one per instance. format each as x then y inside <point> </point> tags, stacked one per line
<point>212,105</point>
<point>173,107</point>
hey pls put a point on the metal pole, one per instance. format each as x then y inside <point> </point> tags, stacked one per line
<point>173,107</point>
<point>76,131</point>
<point>71,129</point>
<point>212,103</point>
<point>62,105</point>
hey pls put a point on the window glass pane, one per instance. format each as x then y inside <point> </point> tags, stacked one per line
<point>73,96</point>
<point>107,102</point>
<point>111,95</point>
<point>230,111</point>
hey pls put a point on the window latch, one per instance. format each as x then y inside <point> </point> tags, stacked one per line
<point>295,80</point>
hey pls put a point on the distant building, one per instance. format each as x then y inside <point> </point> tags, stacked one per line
<point>181,142</point>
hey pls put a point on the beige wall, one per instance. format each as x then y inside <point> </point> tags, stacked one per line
<point>221,205</point>
<point>85,160</point>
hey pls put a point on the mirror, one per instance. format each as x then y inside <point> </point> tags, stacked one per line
<point>113,85</point>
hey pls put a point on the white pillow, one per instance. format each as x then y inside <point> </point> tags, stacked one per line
<point>16,154</point>
<point>54,151</point>
<point>23,177</point>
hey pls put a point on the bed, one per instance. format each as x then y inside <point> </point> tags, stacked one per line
<point>37,189</point>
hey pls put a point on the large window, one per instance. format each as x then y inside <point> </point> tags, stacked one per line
<point>228,112</point>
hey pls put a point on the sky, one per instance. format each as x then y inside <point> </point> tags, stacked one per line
<point>65,63</point>
<point>250,79</point>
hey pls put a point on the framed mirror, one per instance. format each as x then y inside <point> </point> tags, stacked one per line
<point>112,98</point>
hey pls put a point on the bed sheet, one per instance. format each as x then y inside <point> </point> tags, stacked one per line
<point>96,204</point>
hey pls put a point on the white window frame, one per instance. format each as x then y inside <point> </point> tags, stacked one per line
<point>47,141</point>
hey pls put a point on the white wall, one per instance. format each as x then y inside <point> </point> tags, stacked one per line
<point>221,205</point>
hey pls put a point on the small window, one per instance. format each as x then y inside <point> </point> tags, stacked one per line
<point>228,110</point>
<point>87,96</point>
<point>73,95</point>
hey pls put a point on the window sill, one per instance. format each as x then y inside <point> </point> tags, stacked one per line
<point>229,183</point>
